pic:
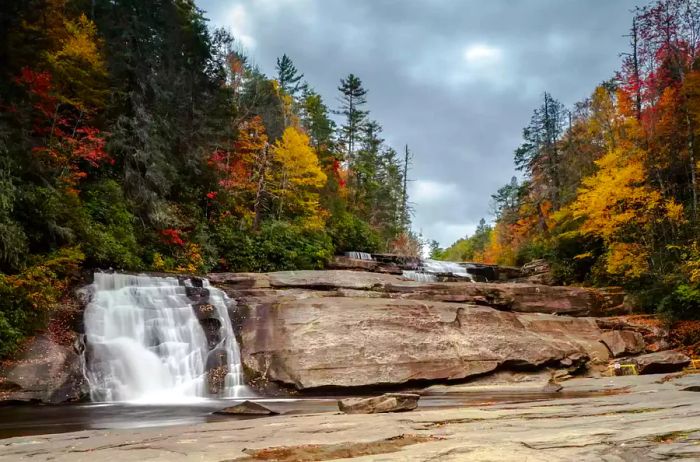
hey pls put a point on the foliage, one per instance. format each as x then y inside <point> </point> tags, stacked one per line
<point>277,246</point>
<point>350,233</point>
<point>610,190</point>
<point>29,297</point>
<point>134,131</point>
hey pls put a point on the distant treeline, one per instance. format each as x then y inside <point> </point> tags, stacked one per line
<point>610,190</point>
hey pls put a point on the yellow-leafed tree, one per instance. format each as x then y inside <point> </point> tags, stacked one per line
<point>619,205</point>
<point>297,177</point>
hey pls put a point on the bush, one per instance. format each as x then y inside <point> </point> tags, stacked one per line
<point>349,233</point>
<point>29,297</point>
<point>682,303</point>
<point>277,246</point>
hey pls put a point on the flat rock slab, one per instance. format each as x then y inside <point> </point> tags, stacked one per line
<point>246,408</point>
<point>389,402</point>
<point>651,422</point>
<point>331,279</point>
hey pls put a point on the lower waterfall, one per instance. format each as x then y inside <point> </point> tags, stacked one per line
<point>159,340</point>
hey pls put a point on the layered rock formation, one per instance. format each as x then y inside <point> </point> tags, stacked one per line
<point>311,329</point>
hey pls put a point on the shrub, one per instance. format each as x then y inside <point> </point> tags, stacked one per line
<point>276,246</point>
<point>349,233</point>
<point>682,303</point>
<point>29,297</point>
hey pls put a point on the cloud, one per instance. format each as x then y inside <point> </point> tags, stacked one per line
<point>455,80</point>
<point>479,54</point>
<point>426,192</point>
<point>236,19</point>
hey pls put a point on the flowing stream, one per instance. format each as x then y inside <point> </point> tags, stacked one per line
<point>429,270</point>
<point>145,343</point>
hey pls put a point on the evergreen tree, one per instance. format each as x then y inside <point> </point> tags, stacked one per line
<point>288,76</point>
<point>351,102</point>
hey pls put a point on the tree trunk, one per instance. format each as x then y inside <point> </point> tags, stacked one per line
<point>260,189</point>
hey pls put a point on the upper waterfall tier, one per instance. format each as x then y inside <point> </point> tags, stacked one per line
<point>154,339</point>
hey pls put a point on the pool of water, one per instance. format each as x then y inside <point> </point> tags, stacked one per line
<point>25,420</point>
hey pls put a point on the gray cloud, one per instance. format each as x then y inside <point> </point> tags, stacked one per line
<point>455,80</point>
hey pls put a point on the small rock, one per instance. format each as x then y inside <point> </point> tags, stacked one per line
<point>692,388</point>
<point>389,402</point>
<point>246,408</point>
<point>552,387</point>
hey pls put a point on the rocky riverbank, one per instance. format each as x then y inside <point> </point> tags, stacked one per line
<point>319,329</point>
<point>354,330</point>
<point>640,418</point>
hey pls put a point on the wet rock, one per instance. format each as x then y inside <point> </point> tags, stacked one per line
<point>197,293</point>
<point>623,342</point>
<point>661,362</point>
<point>389,402</point>
<point>212,331</point>
<point>204,310</point>
<point>246,408</point>
<point>46,371</point>
<point>216,379</point>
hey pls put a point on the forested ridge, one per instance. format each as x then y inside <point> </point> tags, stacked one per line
<point>135,137</point>
<point>609,189</point>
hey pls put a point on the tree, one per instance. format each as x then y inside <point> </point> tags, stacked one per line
<point>539,154</point>
<point>288,76</point>
<point>298,177</point>
<point>351,101</point>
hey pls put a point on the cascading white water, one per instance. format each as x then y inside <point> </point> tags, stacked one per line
<point>419,277</point>
<point>446,267</point>
<point>429,269</point>
<point>144,342</point>
<point>359,255</point>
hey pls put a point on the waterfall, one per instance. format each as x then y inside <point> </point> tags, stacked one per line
<point>419,277</point>
<point>429,270</point>
<point>359,255</point>
<point>446,267</point>
<point>157,339</point>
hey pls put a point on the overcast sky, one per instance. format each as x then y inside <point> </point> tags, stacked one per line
<point>456,80</point>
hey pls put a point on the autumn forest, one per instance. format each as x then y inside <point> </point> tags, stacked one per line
<point>135,137</point>
<point>609,188</point>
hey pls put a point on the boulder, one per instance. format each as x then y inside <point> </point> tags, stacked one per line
<point>661,362</point>
<point>346,342</point>
<point>623,342</point>
<point>246,408</point>
<point>46,371</point>
<point>389,402</point>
